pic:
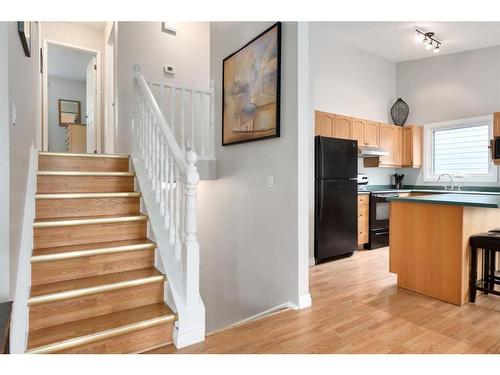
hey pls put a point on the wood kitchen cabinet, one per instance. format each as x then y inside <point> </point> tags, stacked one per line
<point>372,134</point>
<point>324,124</point>
<point>363,218</point>
<point>388,142</point>
<point>365,132</point>
<point>358,131</point>
<point>412,146</point>
<point>496,124</point>
<point>343,127</point>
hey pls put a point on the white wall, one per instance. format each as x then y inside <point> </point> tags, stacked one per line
<point>145,44</point>
<point>4,163</point>
<point>24,91</point>
<point>349,81</point>
<point>449,87</point>
<point>248,232</point>
<point>68,89</point>
<point>76,35</point>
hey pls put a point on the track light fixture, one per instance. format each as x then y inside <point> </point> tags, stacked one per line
<point>428,40</point>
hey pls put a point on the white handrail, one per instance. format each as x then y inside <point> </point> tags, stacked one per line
<point>175,149</point>
<point>188,115</point>
<point>168,181</point>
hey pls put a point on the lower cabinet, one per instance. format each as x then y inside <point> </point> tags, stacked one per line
<point>363,218</point>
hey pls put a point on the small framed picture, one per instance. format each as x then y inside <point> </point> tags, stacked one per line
<point>24,28</point>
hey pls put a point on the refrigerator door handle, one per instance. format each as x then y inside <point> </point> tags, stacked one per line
<point>321,202</point>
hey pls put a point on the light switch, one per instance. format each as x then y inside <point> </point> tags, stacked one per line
<point>270,181</point>
<point>14,114</point>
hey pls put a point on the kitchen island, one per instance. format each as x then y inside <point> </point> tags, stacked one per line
<point>429,241</point>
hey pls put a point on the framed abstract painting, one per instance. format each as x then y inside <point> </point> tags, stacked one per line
<point>251,89</point>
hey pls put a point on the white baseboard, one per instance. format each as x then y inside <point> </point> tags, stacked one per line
<point>312,262</point>
<point>186,339</point>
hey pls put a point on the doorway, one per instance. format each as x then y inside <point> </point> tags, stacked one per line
<point>70,96</point>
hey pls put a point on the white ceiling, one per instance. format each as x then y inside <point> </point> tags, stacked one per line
<point>68,63</point>
<point>394,41</point>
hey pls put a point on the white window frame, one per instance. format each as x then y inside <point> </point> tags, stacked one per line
<point>430,176</point>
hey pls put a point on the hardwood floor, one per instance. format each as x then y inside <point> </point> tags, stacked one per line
<point>357,308</point>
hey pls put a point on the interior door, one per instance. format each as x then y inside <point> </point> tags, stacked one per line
<point>91,105</point>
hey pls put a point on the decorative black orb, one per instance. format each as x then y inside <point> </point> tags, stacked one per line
<point>399,112</point>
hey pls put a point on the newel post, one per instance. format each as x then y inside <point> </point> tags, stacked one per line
<point>191,257</point>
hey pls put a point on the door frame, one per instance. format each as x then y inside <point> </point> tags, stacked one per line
<point>110,102</point>
<point>45,91</point>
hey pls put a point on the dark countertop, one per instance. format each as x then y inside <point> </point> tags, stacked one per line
<point>479,190</point>
<point>472,200</point>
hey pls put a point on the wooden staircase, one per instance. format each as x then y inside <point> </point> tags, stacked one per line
<point>94,288</point>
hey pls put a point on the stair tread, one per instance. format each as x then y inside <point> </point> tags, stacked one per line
<point>88,282</point>
<point>82,155</point>
<point>47,220</point>
<point>94,246</point>
<point>67,331</point>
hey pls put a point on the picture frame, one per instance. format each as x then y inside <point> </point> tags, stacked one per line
<point>251,89</point>
<point>69,112</point>
<point>24,29</point>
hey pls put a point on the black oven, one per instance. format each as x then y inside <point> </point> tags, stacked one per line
<point>380,211</point>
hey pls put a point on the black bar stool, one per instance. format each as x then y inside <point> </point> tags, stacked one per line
<point>490,244</point>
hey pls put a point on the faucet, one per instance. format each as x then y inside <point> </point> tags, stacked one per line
<point>452,185</point>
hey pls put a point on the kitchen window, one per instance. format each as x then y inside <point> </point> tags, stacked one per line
<point>459,148</point>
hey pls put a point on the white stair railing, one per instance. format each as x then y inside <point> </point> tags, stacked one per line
<point>190,116</point>
<point>168,179</point>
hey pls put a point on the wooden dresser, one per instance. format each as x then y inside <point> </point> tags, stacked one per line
<point>76,138</point>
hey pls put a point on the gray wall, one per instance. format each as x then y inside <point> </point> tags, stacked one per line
<point>24,91</point>
<point>449,87</point>
<point>143,43</point>
<point>61,88</point>
<point>349,81</point>
<point>4,164</point>
<point>248,232</point>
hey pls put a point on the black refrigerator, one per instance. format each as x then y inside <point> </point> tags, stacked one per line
<point>336,189</point>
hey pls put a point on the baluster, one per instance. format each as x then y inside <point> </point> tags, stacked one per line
<point>153,160</point>
<point>212,118</point>
<point>171,200</point>
<point>192,121</point>
<point>161,172</point>
<point>172,113</point>
<point>202,121</point>
<point>183,143</point>
<point>146,138</point>
<point>178,185</point>
<point>150,142</point>
<point>158,166</point>
<point>166,213</point>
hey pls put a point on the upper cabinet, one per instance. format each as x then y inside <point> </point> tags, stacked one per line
<point>358,131</point>
<point>324,124</point>
<point>343,127</point>
<point>412,146</point>
<point>372,134</point>
<point>403,144</point>
<point>496,124</point>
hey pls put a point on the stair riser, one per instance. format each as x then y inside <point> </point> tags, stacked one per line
<point>70,269</point>
<point>84,184</point>
<point>69,310</point>
<point>134,342</point>
<point>59,208</point>
<point>87,234</point>
<point>77,163</point>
